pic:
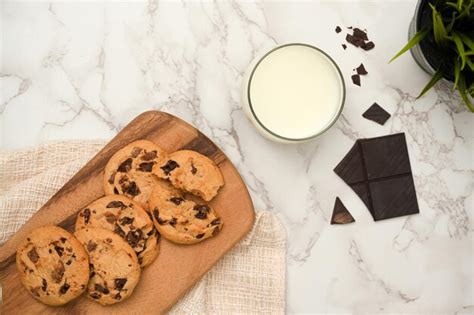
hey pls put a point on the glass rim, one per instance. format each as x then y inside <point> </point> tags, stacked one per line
<point>341,105</point>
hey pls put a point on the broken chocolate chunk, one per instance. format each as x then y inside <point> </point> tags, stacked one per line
<point>95,295</point>
<point>173,222</point>
<point>87,215</point>
<point>368,46</point>
<point>59,250</point>
<point>125,166</point>
<point>199,236</point>
<point>358,42</point>
<point>340,214</point>
<point>133,237</point>
<point>120,283</point>
<point>356,79</point>
<point>132,189</point>
<point>126,220</point>
<point>201,215</point>
<point>169,167</point>
<point>202,211</point>
<point>117,296</point>
<point>116,191</point>
<point>91,246</point>
<point>176,200</point>
<point>110,217</point>
<point>344,46</point>
<point>361,70</point>
<point>45,285</point>
<point>116,204</point>
<point>146,167</point>
<point>149,155</point>
<point>193,169</point>
<point>119,231</point>
<point>98,287</point>
<point>357,32</point>
<point>376,114</point>
<point>63,240</point>
<point>108,240</point>
<point>156,214</point>
<point>386,186</point>
<point>58,273</point>
<point>338,29</point>
<point>112,178</point>
<point>33,255</point>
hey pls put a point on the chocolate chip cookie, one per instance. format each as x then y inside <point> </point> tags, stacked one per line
<point>114,267</point>
<point>53,265</point>
<point>192,172</point>
<point>181,219</point>
<point>126,218</point>
<point>129,171</point>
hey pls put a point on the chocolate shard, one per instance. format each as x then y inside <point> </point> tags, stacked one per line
<point>338,29</point>
<point>361,70</point>
<point>356,79</point>
<point>340,214</point>
<point>377,114</point>
<point>344,46</point>
<point>387,187</point>
<point>368,46</point>
<point>358,42</point>
<point>357,32</point>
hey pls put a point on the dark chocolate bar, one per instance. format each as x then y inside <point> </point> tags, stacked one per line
<point>379,172</point>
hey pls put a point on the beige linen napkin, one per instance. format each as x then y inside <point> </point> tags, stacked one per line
<point>249,279</point>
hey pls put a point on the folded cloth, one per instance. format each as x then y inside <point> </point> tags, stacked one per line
<point>249,279</point>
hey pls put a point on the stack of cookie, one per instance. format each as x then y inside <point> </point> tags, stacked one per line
<point>149,193</point>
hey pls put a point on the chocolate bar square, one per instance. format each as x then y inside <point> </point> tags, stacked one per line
<point>393,198</point>
<point>385,156</point>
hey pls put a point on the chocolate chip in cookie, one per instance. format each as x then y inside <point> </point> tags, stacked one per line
<point>125,166</point>
<point>169,167</point>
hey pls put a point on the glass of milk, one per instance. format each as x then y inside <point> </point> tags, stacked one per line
<point>293,93</point>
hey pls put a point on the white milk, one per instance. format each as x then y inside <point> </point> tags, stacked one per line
<point>296,92</point>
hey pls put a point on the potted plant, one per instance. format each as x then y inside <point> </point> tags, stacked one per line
<point>442,43</point>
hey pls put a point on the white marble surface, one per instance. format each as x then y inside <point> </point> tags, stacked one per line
<point>83,70</point>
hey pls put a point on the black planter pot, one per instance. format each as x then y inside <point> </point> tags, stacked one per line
<point>427,54</point>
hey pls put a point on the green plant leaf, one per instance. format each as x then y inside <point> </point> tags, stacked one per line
<point>460,47</point>
<point>457,72</point>
<point>467,40</point>
<point>412,42</point>
<point>470,63</point>
<point>453,5</point>
<point>463,91</point>
<point>451,23</point>
<point>436,77</point>
<point>460,5</point>
<point>439,30</point>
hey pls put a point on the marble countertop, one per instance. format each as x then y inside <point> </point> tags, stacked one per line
<point>84,70</point>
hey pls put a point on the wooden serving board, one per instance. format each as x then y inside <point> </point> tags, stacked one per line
<point>178,267</point>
